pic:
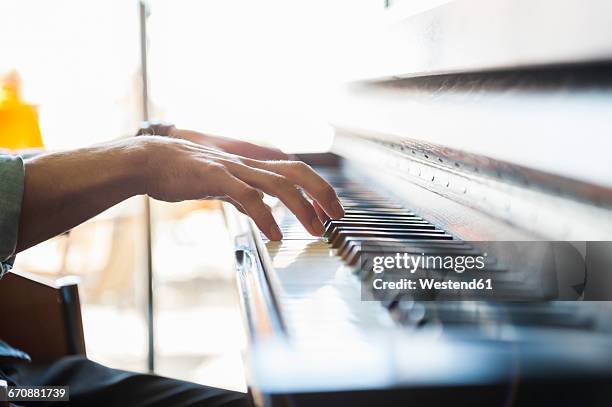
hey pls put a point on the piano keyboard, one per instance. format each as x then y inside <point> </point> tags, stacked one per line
<point>311,327</point>
<point>318,280</point>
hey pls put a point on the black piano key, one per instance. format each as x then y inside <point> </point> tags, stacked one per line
<point>373,221</point>
<point>370,206</point>
<point>376,220</point>
<point>350,216</point>
<point>416,234</point>
<point>397,244</point>
<point>384,212</point>
<point>347,230</point>
<point>343,233</point>
<point>350,242</point>
<point>332,226</point>
<point>378,226</point>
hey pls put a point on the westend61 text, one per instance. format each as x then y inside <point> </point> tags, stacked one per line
<point>433,284</point>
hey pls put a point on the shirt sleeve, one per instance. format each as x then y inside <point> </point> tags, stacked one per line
<point>11,195</point>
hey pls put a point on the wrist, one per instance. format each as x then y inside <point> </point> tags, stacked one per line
<point>135,165</point>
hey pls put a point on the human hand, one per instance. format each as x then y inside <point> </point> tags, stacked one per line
<point>178,170</point>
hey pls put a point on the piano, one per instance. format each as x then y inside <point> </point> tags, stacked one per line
<point>482,127</point>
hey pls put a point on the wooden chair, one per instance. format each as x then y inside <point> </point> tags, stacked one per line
<point>41,318</point>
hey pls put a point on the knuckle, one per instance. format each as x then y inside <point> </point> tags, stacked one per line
<point>280,182</point>
<point>300,167</point>
<point>216,169</point>
<point>327,192</point>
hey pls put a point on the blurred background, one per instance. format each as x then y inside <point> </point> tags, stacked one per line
<point>258,70</point>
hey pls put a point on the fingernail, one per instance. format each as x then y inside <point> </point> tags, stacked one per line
<point>275,233</point>
<point>317,226</point>
<point>337,209</point>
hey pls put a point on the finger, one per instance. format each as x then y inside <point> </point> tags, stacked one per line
<point>285,190</point>
<point>257,152</point>
<point>303,175</point>
<point>242,148</point>
<point>230,200</point>
<point>250,200</point>
<point>234,203</point>
<point>320,212</point>
<point>239,207</point>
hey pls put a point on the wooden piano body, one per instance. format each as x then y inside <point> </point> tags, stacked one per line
<point>490,120</point>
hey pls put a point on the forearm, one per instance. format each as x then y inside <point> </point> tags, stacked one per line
<point>64,189</point>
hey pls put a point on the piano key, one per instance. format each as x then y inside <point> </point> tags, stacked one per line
<point>332,236</point>
<point>373,206</point>
<point>332,227</point>
<point>417,234</point>
<point>395,245</point>
<point>375,223</point>
<point>349,242</point>
<point>380,217</point>
<point>385,212</point>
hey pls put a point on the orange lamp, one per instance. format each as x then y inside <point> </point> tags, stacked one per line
<point>18,120</point>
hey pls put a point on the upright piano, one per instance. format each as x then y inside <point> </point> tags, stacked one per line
<point>478,127</point>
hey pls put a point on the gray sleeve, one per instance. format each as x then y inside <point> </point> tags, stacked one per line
<point>11,194</point>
